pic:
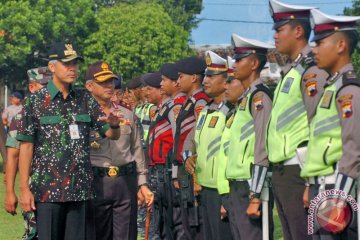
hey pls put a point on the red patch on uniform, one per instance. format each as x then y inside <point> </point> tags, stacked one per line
<point>346,108</point>
<point>198,110</point>
<point>311,88</point>
<point>152,113</point>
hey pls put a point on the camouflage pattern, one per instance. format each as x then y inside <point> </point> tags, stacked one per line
<point>40,75</point>
<point>30,226</point>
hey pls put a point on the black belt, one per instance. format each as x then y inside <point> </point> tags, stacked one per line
<point>115,171</point>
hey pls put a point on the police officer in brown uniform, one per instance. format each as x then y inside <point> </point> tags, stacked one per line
<point>118,165</point>
<point>294,104</point>
<point>332,161</point>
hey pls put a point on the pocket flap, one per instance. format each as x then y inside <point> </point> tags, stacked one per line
<point>50,119</point>
<point>82,118</point>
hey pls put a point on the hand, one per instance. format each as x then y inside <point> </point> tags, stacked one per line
<point>27,202</point>
<point>197,189</point>
<point>141,199</point>
<point>306,197</point>
<point>11,202</point>
<point>223,212</point>
<point>114,118</point>
<point>190,164</point>
<point>253,209</point>
<point>176,184</point>
<point>148,196</point>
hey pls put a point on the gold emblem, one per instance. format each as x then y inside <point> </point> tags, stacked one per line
<point>113,171</point>
<point>105,67</point>
<point>95,145</point>
<point>69,50</point>
<point>325,103</point>
<point>208,59</point>
<point>213,121</point>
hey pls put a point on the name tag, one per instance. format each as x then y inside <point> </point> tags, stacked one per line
<point>74,131</point>
<point>287,85</point>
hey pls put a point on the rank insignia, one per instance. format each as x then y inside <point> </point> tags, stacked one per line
<point>311,88</point>
<point>242,104</point>
<point>95,145</point>
<point>188,107</point>
<point>258,103</point>
<point>346,108</point>
<point>97,135</point>
<point>113,171</point>
<point>309,76</point>
<point>213,121</point>
<point>326,100</point>
<point>201,122</point>
<point>176,112</point>
<point>230,121</point>
<point>287,85</point>
<point>163,111</point>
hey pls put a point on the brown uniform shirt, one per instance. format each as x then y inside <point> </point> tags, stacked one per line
<point>260,108</point>
<point>350,128</point>
<point>126,149</point>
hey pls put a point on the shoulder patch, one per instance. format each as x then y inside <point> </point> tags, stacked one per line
<point>309,76</point>
<point>258,101</point>
<point>311,88</point>
<point>345,97</point>
<point>346,108</point>
<point>198,109</point>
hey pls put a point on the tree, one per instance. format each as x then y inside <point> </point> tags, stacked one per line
<point>136,38</point>
<point>182,12</point>
<point>355,11</point>
<point>28,27</point>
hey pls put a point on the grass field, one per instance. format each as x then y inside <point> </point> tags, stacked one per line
<point>12,228</point>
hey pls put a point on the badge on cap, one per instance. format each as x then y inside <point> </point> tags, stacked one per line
<point>69,50</point>
<point>213,121</point>
<point>208,59</point>
<point>105,66</point>
<point>325,103</point>
<point>311,88</point>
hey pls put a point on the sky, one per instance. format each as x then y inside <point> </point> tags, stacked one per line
<point>244,13</point>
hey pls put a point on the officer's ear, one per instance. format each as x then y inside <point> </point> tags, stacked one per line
<point>255,62</point>
<point>88,85</point>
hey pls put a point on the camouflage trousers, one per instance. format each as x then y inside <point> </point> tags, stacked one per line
<point>30,226</point>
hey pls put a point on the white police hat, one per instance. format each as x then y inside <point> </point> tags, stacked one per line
<point>215,64</point>
<point>230,72</point>
<point>244,47</point>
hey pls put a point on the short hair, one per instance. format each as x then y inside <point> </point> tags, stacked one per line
<point>53,62</point>
<point>262,60</point>
<point>305,24</point>
<point>352,38</point>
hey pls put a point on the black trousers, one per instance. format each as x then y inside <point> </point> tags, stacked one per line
<point>114,209</point>
<point>242,226</point>
<point>350,233</point>
<point>288,188</point>
<point>214,227</point>
<point>191,231</point>
<point>65,220</point>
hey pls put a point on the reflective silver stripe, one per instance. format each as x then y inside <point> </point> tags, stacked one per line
<point>338,181</point>
<point>162,131</point>
<point>348,184</point>
<point>189,119</point>
<point>300,69</point>
<point>226,147</point>
<point>326,121</point>
<point>261,180</point>
<point>212,152</point>
<point>189,126</point>
<point>289,110</point>
<point>158,128</point>
<point>248,133</point>
<point>216,140</point>
<point>326,128</point>
<point>254,178</point>
<point>224,109</point>
<point>247,125</point>
<point>291,117</point>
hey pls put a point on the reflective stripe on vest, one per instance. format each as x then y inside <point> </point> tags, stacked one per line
<point>325,144</point>
<point>242,143</point>
<point>209,129</point>
<point>288,123</point>
<point>222,183</point>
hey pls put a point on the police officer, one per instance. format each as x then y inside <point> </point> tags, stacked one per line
<point>117,164</point>
<point>247,129</point>
<point>169,85</point>
<point>332,157</point>
<point>160,142</point>
<point>191,74</point>
<point>38,78</point>
<point>208,133</point>
<point>295,100</point>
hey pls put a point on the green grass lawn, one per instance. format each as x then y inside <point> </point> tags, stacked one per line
<point>12,227</point>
